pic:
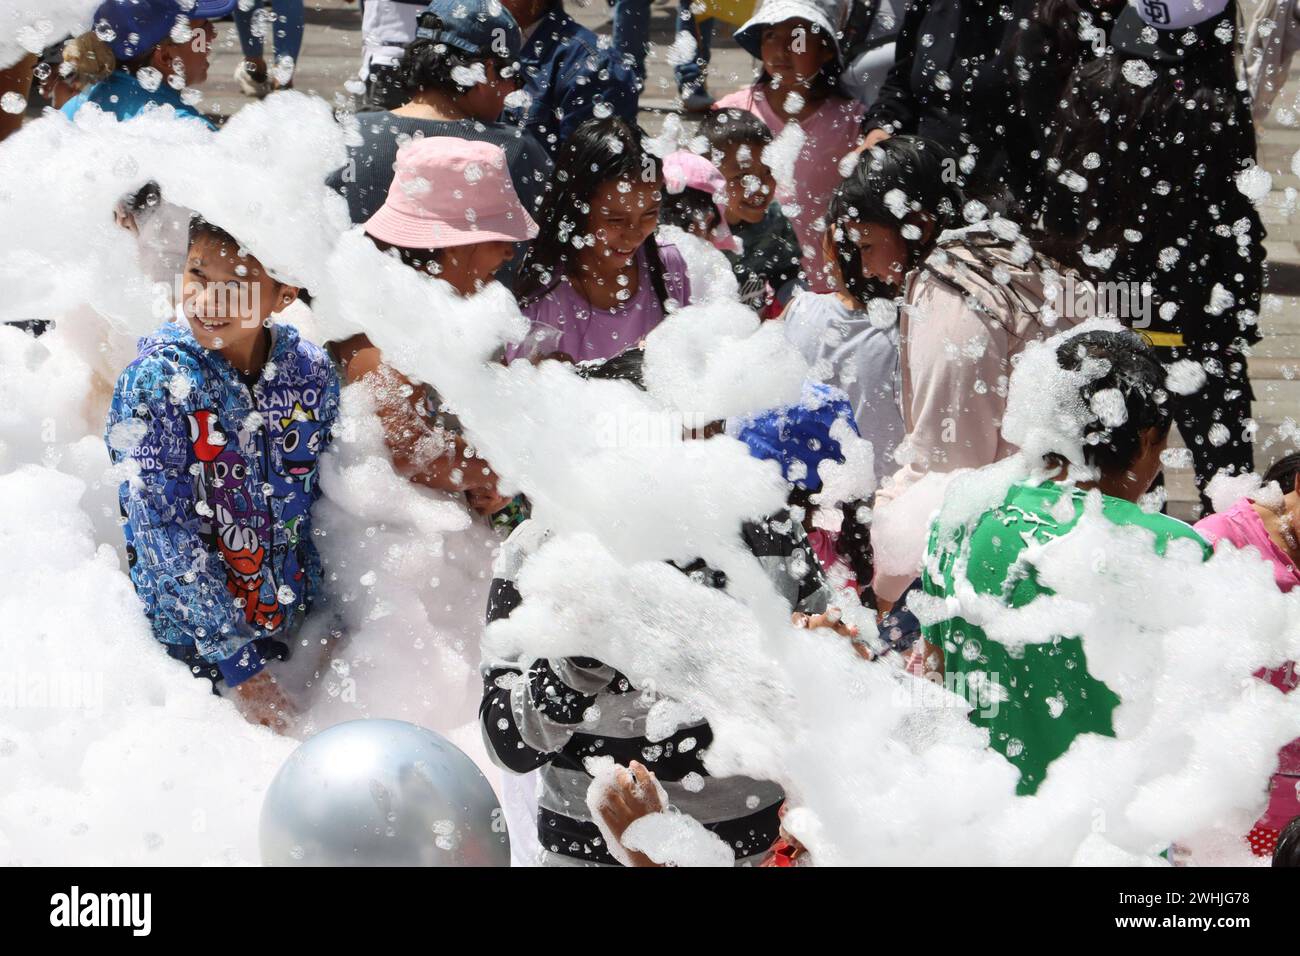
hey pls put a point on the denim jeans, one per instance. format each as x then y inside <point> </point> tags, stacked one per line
<point>632,38</point>
<point>286,17</point>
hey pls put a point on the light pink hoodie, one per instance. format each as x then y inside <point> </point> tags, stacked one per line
<point>959,331</point>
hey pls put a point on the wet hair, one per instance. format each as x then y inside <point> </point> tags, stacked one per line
<point>1130,367</point>
<point>201,228</point>
<point>598,151</point>
<point>907,165</point>
<point>428,64</point>
<point>1288,845</point>
<point>1284,471</point>
<point>725,128</point>
<point>145,199</point>
<point>628,366</point>
<point>417,259</point>
<point>689,209</point>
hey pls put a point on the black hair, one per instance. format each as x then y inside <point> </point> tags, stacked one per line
<point>918,170</point>
<point>428,64</point>
<point>1287,852</point>
<point>202,228</point>
<point>627,366</point>
<point>689,209</point>
<point>1171,148</point>
<point>1130,367</point>
<point>1284,471</point>
<point>147,197</point>
<point>598,151</point>
<point>729,127</point>
<point>417,259</point>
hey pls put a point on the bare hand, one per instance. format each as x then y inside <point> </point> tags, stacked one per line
<point>261,701</point>
<point>874,138</point>
<point>831,621</point>
<point>487,501</point>
<point>634,795</point>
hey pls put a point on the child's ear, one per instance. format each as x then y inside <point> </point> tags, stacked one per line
<point>925,223</point>
<point>285,295</point>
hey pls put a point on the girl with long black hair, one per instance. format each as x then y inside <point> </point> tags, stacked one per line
<point>595,281</point>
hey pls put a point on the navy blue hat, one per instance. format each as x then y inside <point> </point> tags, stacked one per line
<point>476,27</point>
<point>801,433</point>
<point>137,26</point>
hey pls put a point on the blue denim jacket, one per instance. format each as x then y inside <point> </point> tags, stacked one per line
<point>218,520</point>
<point>566,73</point>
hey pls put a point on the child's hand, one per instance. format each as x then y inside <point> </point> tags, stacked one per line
<point>634,796</point>
<point>487,501</point>
<point>831,621</point>
<point>261,701</point>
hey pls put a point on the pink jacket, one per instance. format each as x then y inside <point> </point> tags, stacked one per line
<point>959,330</point>
<point>1242,527</point>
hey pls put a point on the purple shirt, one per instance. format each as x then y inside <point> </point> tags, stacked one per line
<point>564,321</point>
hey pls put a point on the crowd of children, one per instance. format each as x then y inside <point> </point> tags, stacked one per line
<point>912,247</point>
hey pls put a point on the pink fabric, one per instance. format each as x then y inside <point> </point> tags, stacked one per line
<point>450,192</point>
<point>829,134</point>
<point>563,321</point>
<point>955,365</point>
<point>1242,527</point>
<point>685,170</point>
<point>825,545</point>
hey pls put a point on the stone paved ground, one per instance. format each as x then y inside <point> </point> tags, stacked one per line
<point>331,54</point>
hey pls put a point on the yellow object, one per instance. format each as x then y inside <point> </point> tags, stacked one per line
<point>734,12</point>
<point>1162,339</point>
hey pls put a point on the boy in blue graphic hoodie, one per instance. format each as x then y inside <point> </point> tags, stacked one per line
<point>224,416</point>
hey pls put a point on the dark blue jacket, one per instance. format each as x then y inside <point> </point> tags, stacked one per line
<point>566,74</point>
<point>218,519</point>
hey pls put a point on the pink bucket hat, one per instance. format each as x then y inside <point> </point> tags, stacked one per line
<point>684,169</point>
<point>450,192</point>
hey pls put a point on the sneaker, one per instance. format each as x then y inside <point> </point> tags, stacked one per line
<point>697,100</point>
<point>249,83</point>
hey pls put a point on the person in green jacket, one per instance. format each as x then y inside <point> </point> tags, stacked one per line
<point>1034,704</point>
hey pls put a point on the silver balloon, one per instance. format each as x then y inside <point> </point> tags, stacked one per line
<point>381,793</point>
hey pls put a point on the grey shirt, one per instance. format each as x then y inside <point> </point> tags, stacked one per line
<point>847,350</point>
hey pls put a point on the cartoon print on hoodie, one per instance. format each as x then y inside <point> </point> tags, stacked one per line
<point>218,526</point>
<point>299,444</point>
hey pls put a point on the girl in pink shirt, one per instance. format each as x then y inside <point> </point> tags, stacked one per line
<point>797,44</point>
<point>594,282</point>
<point>1272,532</point>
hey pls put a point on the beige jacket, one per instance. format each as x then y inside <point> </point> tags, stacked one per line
<point>1271,40</point>
<point>968,310</point>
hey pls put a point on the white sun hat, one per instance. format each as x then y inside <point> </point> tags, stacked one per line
<point>830,16</point>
